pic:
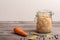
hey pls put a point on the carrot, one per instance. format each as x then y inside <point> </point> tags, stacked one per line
<point>20,31</point>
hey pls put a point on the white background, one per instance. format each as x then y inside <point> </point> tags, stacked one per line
<point>25,10</point>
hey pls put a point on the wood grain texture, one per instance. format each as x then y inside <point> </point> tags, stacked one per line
<point>6,29</point>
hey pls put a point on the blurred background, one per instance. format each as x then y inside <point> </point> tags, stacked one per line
<point>25,10</point>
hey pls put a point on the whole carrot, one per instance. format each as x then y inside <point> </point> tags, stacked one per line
<point>20,31</point>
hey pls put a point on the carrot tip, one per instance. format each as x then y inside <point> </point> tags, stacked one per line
<point>20,31</point>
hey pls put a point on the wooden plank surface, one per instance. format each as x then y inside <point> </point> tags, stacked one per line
<point>6,29</point>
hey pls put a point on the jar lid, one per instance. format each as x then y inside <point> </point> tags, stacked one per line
<point>44,12</point>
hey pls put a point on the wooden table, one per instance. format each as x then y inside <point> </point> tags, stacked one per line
<point>6,29</point>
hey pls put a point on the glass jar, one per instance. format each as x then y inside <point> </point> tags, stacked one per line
<point>44,21</point>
